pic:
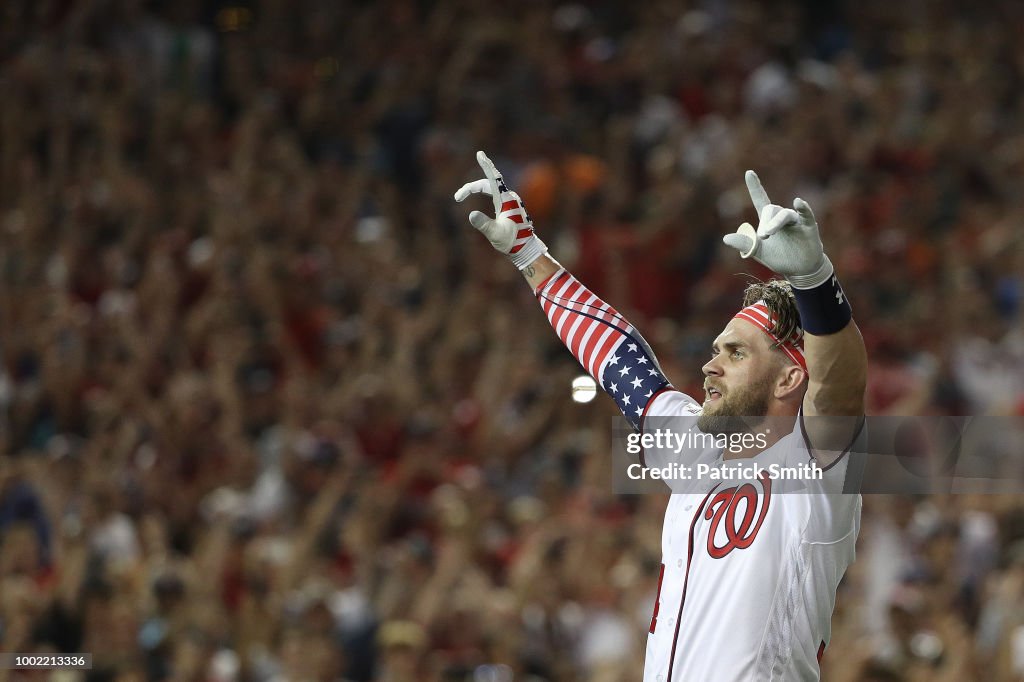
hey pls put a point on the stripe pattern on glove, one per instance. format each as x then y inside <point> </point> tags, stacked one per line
<point>513,209</point>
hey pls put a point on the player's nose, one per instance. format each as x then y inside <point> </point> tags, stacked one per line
<point>712,368</point>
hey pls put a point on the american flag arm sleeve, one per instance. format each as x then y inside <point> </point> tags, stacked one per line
<point>608,347</point>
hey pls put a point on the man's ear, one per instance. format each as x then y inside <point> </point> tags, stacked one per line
<point>790,382</point>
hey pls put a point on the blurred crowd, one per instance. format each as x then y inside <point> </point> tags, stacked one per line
<point>271,410</point>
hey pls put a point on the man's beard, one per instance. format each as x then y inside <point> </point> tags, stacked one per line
<point>741,412</point>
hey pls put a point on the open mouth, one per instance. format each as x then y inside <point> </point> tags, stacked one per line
<point>713,394</point>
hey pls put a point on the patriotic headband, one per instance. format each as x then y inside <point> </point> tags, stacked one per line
<point>758,315</point>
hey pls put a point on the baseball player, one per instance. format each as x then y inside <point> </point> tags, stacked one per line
<point>749,572</point>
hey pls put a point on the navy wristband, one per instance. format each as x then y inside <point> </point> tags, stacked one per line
<point>824,309</point>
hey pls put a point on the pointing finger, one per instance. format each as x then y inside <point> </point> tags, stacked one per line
<point>757,193</point>
<point>487,166</point>
<point>493,177</point>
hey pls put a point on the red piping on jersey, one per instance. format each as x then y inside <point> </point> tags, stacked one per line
<point>810,448</point>
<point>643,416</point>
<point>686,580</point>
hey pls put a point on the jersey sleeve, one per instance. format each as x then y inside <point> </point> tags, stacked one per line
<point>608,347</point>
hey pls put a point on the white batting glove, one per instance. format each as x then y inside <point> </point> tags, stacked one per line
<point>511,230</point>
<point>786,239</point>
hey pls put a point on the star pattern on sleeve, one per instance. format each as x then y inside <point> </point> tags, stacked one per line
<point>630,386</point>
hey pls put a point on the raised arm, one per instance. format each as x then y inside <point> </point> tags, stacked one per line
<point>788,241</point>
<point>607,346</point>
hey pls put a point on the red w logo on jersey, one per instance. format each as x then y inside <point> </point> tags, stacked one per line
<point>724,510</point>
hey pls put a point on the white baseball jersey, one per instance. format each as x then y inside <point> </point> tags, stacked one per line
<point>749,574</point>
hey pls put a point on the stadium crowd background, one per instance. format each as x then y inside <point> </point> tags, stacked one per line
<point>271,410</point>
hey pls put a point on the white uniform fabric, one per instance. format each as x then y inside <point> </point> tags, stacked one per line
<point>749,573</point>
